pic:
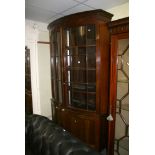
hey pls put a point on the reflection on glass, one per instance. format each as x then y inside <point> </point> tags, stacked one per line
<point>67,31</point>
<point>79,99</point>
<point>91,35</point>
<point>60,91</point>
<point>78,61</point>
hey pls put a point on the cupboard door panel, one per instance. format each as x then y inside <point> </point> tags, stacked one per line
<point>84,129</point>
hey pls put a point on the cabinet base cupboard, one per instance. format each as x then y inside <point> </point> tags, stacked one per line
<point>80,59</point>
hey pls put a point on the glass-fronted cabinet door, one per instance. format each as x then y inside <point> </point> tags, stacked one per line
<point>80,66</point>
<point>56,67</point>
<point>122,101</point>
<point>118,136</point>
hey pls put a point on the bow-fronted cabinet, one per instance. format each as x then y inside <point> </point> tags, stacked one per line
<point>80,59</point>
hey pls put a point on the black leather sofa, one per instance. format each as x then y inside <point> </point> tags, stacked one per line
<point>44,137</point>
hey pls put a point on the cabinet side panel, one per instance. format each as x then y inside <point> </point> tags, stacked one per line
<point>104,68</point>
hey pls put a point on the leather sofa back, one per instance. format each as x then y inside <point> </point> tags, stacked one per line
<point>44,137</point>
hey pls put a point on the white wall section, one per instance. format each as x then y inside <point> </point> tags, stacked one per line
<point>31,35</point>
<point>40,66</point>
<point>44,78</point>
<point>120,11</point>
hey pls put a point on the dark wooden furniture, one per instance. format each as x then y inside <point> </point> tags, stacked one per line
<point>80,75</point>
<point>28,93</point>
<point>119,30</point>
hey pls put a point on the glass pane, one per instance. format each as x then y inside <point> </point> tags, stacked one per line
<point>121,76</point>
<point>122,111</point>
<point>57,90</point>
<point>91,35</point>
<point>125,58</point>
<point>123,45</point>
<point>80,56</point>
<point>68,76</point>
<point>58,68</point>
<point>91,76</point>
<point>81,35</point>
<point>68,61</point>
<point>54,89</point>
<point>78,61</point>
<point>78,76</point>
<point>76,51</point>
<point>58,41</point>
<point>79,87</point>
<point>55,44</point>
<point>81,50</point>
<point>91,101</point>
<point>52,45</point>
<point>53,68</point>
<point>79,99</point>
<point>91,61</point>
<point>91,57</point>
<point>60,91</point>
<point>119,62</point>
<point>91,50</point>
<point>71,37</point>
<point>122,90</point>
<point>91,88</point>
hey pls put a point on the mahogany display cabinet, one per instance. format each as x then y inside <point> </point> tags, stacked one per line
<point>80,59</point>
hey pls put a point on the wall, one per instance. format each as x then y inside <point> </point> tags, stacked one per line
<point>44,74</point>
<point>40,62</point>
<point>31,35</point>
<point>120,11</point>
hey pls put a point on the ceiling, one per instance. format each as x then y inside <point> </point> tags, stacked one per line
<point>48,10</point>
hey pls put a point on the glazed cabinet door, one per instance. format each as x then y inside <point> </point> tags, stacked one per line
<point>56,67</point>
<point>80,66</point>
<point>28,91</point>
<point>56,74</point>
